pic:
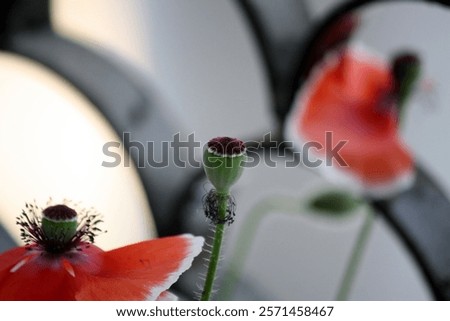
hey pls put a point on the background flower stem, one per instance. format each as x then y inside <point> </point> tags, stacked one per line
<point>355,259</point>
<point>247,234</point>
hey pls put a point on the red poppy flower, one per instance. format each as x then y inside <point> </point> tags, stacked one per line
<point>61,263</point>
<point>352,95</point>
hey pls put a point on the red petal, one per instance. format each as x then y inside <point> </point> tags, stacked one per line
<point>344,98</point>
<point>9,258</point>
<point>31,274</point>
<point>141,271</point>
<point>136,272</point>
<point>24,275</point>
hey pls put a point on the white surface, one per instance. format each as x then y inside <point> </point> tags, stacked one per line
<point>243,310</point>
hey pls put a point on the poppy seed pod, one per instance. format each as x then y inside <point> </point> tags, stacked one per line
<point>59,223</point>
<point>223,161</point>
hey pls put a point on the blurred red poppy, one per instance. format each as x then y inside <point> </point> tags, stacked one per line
<point>351,95</point>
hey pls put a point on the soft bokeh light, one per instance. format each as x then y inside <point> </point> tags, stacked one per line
<point>111,25</point>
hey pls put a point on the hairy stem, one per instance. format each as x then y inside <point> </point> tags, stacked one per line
<point>215,252</point>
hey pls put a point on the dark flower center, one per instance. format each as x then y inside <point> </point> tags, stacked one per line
<point>226,146</point>
<point>59,213</point>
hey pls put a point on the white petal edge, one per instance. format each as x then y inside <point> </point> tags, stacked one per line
<point>167,296</point>
<point>194,249</point>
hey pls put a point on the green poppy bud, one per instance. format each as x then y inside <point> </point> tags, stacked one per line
<point>59,223</point>
<point>334,203</point>
<point>223,161</point>
<point>406,68</point>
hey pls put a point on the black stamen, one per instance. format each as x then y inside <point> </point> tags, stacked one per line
<point>59,212</point>
<point>211,208</point>
<point>31,231</point>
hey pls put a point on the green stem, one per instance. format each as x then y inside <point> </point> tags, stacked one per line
<point>215,252</point>
<point>355,259</point>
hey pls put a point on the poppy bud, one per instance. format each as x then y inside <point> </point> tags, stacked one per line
<point>406,68</point>
<point>334,203</point>
<point>223,162</point>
